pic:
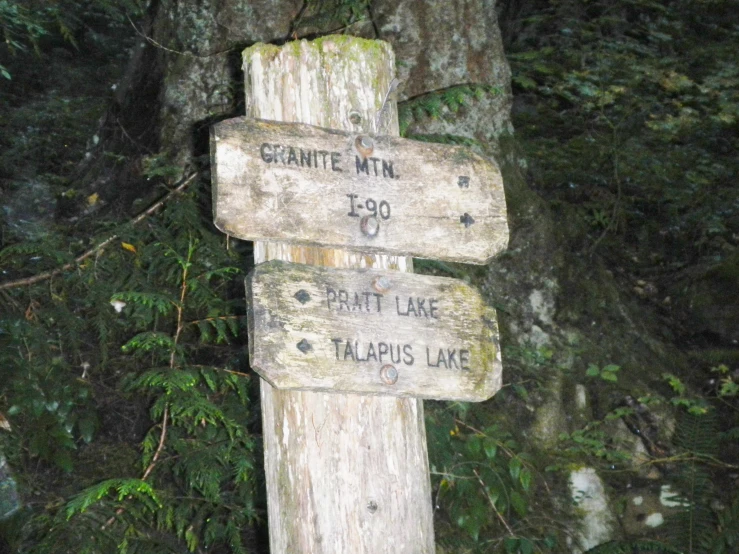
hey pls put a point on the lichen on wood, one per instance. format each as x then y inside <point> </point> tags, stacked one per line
<point>345,473</point>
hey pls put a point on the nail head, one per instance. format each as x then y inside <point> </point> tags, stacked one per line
<point>389,374</point>
<point>370,226</point>
<point>381,284</point>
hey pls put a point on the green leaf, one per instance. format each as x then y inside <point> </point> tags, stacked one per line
<point>491,448</point>
<point>511,545</point>
<point>87,426</point>
<point>514,467</point>
<point>525,479</point>
<point>519,503</point>
<point>474,444</point>
<point>592,371</point>
<point>608,376</point>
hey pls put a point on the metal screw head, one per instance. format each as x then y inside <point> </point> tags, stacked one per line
<point>355,118</point>
<point>370,226</point>
<point>389,374</point>
<point>364,145</point>
<point>381,284</point>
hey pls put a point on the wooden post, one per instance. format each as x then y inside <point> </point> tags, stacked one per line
<point>346,474</point>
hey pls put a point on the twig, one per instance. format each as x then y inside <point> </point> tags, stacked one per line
<point>503,447</point>
<point>383,108</point>
<point>181,306</point>
<point>129,137</point>
<point>492,504</point>
<point>162,47</point>
<point>197,321</point>
<point>160,446</point>
<point>82,257</point>
<point>149,469</point>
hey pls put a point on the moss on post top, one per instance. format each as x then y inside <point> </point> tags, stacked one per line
<point>345,44</point>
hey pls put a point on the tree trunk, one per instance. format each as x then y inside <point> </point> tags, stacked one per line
<point>345,473</point>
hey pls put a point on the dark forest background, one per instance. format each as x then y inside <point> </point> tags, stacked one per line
<point>129,417</point>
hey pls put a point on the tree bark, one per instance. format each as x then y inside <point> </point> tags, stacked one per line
<point>345,473</point>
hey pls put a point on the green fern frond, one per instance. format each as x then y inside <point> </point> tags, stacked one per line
<point>148,341</point>
<point>225,327</point>
<point>196,410</point>
<point>222,272</point>
<point>694,524</point>
<point>433,104</point>
<point>697,433</point>
<point>328,15</point>
<point>166,379</point>
<point>42,253</point>
<point>731,434</point>
<point>633,547</point>
<point>161,303</point>
<point>121,488</point>
<point>726,540</point>
<point>66,32</point>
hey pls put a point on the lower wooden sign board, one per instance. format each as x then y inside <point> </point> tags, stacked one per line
<point>298,183</point>
<point>371,332</point>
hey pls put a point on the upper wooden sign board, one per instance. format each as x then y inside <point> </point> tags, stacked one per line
<point>298,183</point>
<point>371,332</point>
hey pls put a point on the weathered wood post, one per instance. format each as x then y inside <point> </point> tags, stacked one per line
<point>345,473</point>
<point>347,470</point>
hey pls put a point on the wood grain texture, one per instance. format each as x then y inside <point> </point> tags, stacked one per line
<point>371,332</point>
<point>305,184</point>
<point>345,473</point>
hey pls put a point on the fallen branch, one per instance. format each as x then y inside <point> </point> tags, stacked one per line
<point>82,257</point>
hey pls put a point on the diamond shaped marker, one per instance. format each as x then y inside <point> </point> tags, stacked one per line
<point>302,296</point>
<point>304,346</point>
<point>466,219</point>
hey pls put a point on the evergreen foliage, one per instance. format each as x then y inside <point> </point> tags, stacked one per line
<point>437,103</point>
<point>633,547</point>
<point>329,16</point>
<point>145,345</point>
<point>694,526</point>
<point>25,23</point>
<point>124,376</point>
<point>483,482</point>
<point>628,111</point>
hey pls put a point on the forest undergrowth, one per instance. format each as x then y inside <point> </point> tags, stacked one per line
<point>128,412</point>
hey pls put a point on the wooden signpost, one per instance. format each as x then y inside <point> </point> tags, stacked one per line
<point>309,185</point>
<point>347,353</point>
<point>371,332</point>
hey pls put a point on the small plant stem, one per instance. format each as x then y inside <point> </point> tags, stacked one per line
<point>160,446</point>
<point>492,504</point>
<point>181,305</point>
<point>165,415</point>
<point>219,318</point>
<point>149,468</point>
